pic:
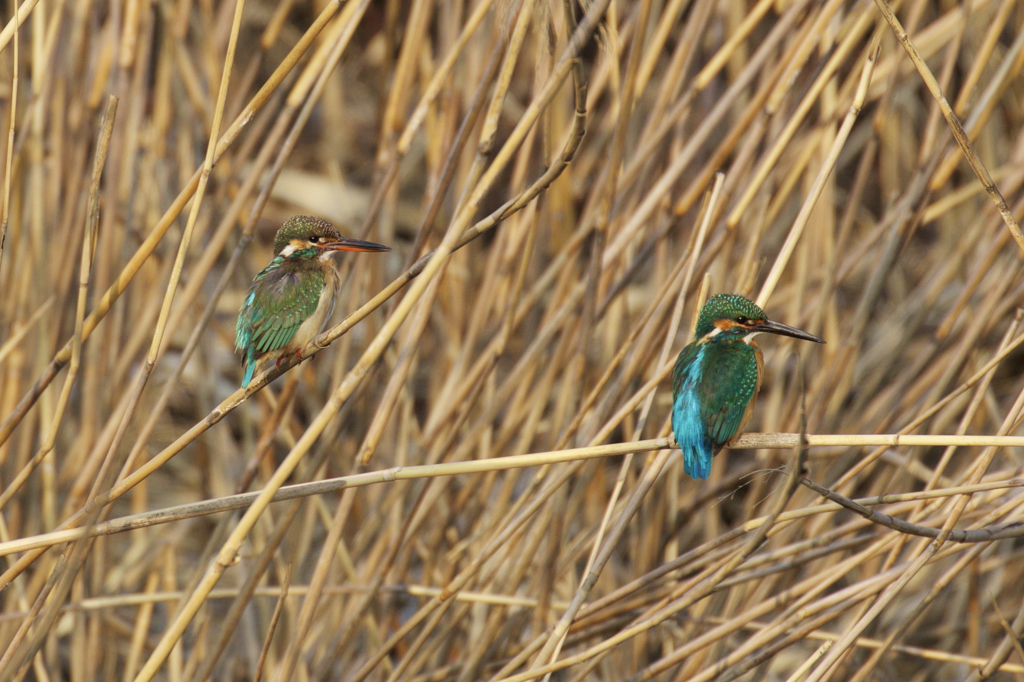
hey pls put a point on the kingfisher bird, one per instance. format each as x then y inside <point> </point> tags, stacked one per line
<point>290,300</point>
<point>716,378</point>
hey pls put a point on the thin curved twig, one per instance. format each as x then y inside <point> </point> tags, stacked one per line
<point>1010,530</point>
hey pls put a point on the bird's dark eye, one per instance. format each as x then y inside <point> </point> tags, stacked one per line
<point>314,239</point>
<point>742,320</point>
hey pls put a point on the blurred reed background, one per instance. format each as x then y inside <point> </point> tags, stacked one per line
<point>566,188</point>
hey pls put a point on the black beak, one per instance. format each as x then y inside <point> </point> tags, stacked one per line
<point>773,327</point>
<point>346,244</point>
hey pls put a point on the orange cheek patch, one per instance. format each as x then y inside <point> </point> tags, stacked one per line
<point>725,325</point>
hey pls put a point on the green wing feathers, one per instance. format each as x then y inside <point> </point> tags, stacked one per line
<point>278,302</point>
<point>726,391</point>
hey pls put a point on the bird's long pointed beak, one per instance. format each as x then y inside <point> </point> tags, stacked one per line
<point>773,327</point>
<point>346,244</point>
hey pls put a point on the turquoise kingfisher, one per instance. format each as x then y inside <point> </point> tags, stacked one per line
<point>716,378</point>
<point>290,300</point>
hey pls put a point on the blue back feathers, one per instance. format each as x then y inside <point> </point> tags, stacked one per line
<point>687,422</point>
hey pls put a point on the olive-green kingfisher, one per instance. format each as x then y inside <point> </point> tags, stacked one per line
<point>290,300</point>
<point>716,378</point>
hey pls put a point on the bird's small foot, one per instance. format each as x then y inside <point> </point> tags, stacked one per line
<point>277,365</point>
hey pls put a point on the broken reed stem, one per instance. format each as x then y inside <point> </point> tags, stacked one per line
<point>954,124</point>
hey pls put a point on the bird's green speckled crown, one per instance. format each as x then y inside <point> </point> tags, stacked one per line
<point>726,306</point>
<point>302,227</point>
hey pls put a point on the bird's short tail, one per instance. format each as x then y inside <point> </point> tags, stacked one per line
<point>691,436</point>
<point>697,463</point>
<point>250,367</point>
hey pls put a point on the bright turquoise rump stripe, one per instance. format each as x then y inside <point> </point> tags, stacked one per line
<point>688,426</point>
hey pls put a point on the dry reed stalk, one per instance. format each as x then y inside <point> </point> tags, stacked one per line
<point>5,218</point>
<point>549,242</point>
<point>954,122</point>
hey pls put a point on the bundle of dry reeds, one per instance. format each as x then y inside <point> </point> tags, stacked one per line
<point>470,475</point>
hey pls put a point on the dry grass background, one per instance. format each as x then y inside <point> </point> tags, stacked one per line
<point>557,276</point>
